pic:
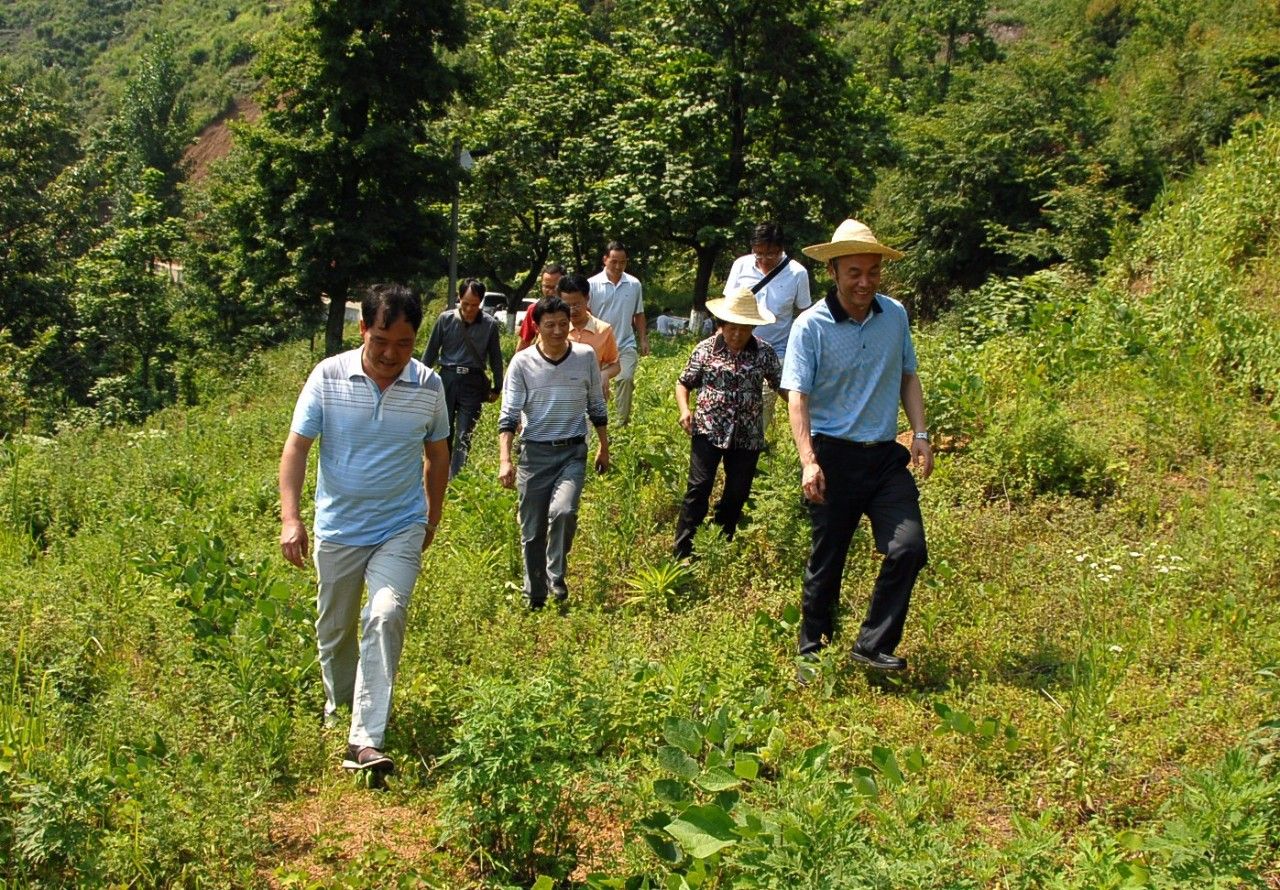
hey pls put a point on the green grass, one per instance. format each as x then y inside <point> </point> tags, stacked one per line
<point>1093,666</point>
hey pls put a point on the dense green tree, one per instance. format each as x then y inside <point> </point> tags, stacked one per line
<point>151,129</point>
<point>909,48</point>
<point>1001,177</point>
<point>543,84</point>
<point>341,168</point>
<point>742,111</point>
<point>124,299</point>
<point>37,145</point>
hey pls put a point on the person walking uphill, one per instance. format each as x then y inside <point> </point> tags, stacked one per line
<point>550,391</point>
<point>384,462</point>
<point>729,370</point>
<point>849,362</point>
<point>618,298</point>
<point>464,340</point>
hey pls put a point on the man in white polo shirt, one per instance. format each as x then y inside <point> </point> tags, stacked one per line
<point>383,427</point>
<point>616,297</point>
<point>781,286</point>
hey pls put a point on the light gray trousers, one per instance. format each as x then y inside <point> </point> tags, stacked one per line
<point>549,479</point>
<point>362,672</point>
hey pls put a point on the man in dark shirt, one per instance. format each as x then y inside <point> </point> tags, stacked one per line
<point>462,341</point>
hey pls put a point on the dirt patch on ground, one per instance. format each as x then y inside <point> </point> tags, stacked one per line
<point>214,141</point>
<point>322,832</point>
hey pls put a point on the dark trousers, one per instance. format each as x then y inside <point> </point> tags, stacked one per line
<point>739,471</point>
<point>464,396</point>
<point>872,481</point>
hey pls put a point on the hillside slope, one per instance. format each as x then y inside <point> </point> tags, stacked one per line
<point>1093,647</point>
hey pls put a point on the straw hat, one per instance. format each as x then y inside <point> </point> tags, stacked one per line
<point>851,237</point>
<point>740,307</point>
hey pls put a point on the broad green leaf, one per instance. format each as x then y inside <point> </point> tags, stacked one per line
<point>865,782</point>
<point>887,764</point>
<point>913,759</point>
<point>746,767</point>
<point>677,762</point>
<point>703,831</point>
<point>683,734</point>
<point>718,779</point>
<point>672,792</point>
<point>543,883</point>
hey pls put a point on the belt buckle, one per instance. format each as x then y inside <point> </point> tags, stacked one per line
<point>461,370</point>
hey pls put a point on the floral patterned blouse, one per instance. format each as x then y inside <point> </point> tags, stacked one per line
<point>729,387</point>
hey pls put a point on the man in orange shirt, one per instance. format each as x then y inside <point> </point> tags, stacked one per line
<point>587,329</point>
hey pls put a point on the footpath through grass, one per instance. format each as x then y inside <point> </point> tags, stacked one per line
<point>1093,646</point>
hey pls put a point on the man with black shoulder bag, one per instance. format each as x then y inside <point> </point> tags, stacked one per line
<point>463,341</point>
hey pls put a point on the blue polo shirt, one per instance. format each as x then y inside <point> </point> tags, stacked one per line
<point>369,485</point>
<point>851,372</point>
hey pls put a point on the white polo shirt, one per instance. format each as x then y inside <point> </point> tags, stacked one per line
<point>786,296</point>
<point>616,304</point>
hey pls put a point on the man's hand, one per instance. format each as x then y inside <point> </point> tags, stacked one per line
<point>686,421</point>
<point>815,484</point>
<point>507,474</point>
<point>494,395</point>
<point>922,457</point>
<point>428,537</point>
<point>644,346</point>
<point>602,459</point>
<point>293,543</point>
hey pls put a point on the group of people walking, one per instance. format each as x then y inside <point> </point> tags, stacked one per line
<point>392,433</point>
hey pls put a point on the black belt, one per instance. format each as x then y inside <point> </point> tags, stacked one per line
<point>462,369</point>
<point>836,440</point>
<point>560,443</point>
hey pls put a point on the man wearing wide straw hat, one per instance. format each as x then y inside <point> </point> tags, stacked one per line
<point>849,362</point>
<point>728,369</point>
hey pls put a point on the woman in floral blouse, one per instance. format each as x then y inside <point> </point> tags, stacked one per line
<point>728,369</point>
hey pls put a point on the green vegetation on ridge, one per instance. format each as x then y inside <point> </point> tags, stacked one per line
<point>1092,698</point>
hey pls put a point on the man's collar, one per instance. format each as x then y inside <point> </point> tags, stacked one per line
<point>355,368</point>
<point>837,310</point>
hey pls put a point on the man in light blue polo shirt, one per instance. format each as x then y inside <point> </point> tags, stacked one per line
<point>849,362</point>
<point>383,426</point>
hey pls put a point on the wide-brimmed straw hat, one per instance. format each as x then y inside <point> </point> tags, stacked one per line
<point>851,237</point>
<point>740,307</point>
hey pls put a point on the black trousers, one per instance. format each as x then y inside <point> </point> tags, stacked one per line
<point>464,397</point>
<point>739,471</point>
<point>873,481</point>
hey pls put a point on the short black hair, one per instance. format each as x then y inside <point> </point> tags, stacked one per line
<point>390,302</point>
<point>548,305</point>
<point>575,283</point>
<point>471,284</point>
<point>554,269</point>
<point>767,233</point>
<point>616,245</point>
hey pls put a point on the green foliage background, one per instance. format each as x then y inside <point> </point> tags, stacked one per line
<point>1088,194</point>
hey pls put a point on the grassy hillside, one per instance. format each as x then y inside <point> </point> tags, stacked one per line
<point>1094,646</point>
<point>94,45</point>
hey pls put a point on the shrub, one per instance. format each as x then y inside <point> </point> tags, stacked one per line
<point>510,793</point>
<point>1032,449</point>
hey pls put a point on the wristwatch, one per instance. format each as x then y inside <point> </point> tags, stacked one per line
<point>924,436</point>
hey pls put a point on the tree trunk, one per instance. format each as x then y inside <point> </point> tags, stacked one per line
<point>336,321</point>
<point>707,254</point>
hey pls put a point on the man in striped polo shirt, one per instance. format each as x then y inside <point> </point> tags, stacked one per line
<point>550,390</point>
<point>383,427</point>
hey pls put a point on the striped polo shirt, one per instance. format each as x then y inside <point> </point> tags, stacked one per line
<point>552,399</point>
<point>852,372</point>
<point>369,485</point>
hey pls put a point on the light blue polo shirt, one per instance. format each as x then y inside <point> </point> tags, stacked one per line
<point>617,304</point>
<point>369,485</point>
<point>851,372</point>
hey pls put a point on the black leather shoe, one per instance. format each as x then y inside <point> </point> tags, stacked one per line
<point>880,661</point>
